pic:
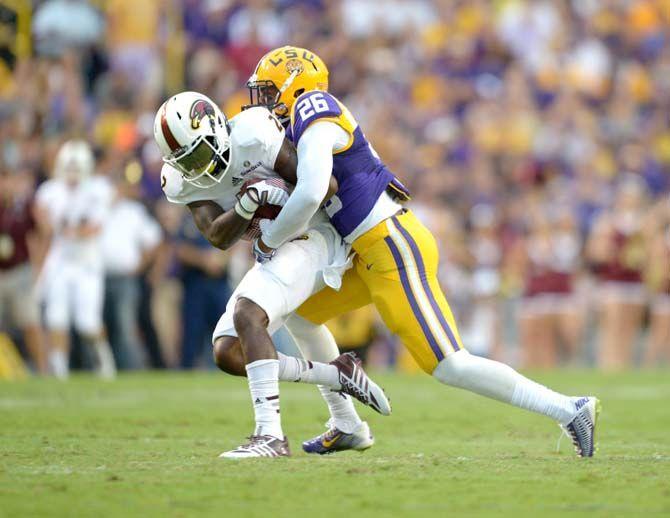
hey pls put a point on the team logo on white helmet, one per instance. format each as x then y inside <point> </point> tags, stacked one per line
<point>192,134</point>
<point>200,110</point>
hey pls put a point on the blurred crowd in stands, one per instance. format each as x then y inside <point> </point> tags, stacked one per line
<point>534,136</point>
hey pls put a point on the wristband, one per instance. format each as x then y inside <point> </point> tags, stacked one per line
<point>246,206</point>
<point>242,212</point>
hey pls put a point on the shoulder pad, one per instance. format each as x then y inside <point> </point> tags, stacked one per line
<point>249,127</point>
<point>172,184</point>
<point>312,106</point>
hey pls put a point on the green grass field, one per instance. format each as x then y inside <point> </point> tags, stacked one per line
<point>147,445</point>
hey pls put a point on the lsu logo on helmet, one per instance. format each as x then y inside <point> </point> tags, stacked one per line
<point>282,75</point>
<point>294,65</point>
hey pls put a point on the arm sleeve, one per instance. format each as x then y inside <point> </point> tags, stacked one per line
<point>315,166</point>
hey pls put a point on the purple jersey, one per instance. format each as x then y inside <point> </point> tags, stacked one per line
<point>361,176</point>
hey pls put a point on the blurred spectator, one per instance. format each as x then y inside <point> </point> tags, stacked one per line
<point>132,28</point>
<point>61,24</point>
<point>206,291</point>
<point>129,239</point>
<point>658,227</point>
<point>617,250</point>
<point>551,314</point>
<point>485,257</point>
<point>18,303</point>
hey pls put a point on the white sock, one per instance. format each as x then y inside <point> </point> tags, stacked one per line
<point>59,364</point>
<point>343,414</point>
<point>264,387</point>
<point>538,398</point>
<point>499,381</point>
<point>307,371</point>
<point>317,343</point>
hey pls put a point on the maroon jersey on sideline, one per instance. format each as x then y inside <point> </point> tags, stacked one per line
<point>626,265</point>
<point>16,221</point>
<point>552,265</point>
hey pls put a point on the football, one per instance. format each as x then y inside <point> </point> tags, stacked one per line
<point>264,211</point>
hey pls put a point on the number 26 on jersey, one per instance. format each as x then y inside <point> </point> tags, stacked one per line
<point>312,105</point>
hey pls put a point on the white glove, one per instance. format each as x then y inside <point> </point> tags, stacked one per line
<point>260,193</point>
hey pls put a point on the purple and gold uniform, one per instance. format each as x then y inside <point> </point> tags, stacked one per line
<point>395,266</point>
<point>361,176</point>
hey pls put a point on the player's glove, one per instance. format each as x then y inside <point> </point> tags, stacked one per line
<point>260,255</point>
<point>257,194</point>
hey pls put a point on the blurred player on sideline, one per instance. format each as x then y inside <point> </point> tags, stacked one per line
<point>209,162</point>
<point>395,266</point>
<point>70,211</point>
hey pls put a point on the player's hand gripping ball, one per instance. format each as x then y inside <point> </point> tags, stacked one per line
<point>269,196</point>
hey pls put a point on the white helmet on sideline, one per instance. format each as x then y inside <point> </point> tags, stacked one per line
<point>193,136</point>
<point>74,161</point>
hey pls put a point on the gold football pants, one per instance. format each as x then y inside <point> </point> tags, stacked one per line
<point>395,268</point>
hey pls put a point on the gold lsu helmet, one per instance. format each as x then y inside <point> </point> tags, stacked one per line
<point>282,75</point>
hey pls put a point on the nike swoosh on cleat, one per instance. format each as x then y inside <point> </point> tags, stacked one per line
<point>329,443</point>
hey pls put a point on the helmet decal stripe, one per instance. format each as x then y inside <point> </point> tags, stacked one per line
<point>289,81</point>
<point>167,132</point>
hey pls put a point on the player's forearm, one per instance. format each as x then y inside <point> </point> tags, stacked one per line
<point>226,230</point>
<point>315,166</point>
<point>221,229</point>
<point>292,219</point>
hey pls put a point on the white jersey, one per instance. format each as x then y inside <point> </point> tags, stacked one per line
<point>300,267</point>
<point>255,140</point>
<point>68,206</point>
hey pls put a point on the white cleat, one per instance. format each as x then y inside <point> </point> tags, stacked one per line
<point>259,446</point>
<point>334,440</point>
<point>355,382</point>
<point>582,428</point>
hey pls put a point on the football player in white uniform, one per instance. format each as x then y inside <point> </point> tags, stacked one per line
<point>70,210</point>
<point>209,162</point>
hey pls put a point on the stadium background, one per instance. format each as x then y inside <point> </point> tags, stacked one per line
<point>507,120</point>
